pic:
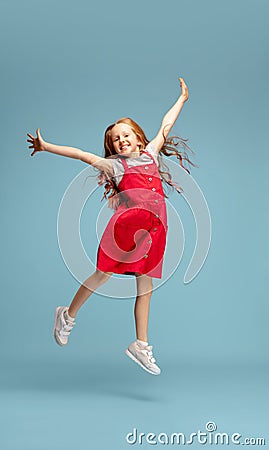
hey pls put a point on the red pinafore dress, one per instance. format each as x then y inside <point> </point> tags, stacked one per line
<point>135,237</point>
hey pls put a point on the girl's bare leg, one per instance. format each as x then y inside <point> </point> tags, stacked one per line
<point>142,306</point>
<point>86,289</point>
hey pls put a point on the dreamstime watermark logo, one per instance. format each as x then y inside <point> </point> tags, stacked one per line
<point>81,265</point>
<point>208,436</point>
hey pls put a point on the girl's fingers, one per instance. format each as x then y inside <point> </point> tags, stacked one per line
<point>184,89</point>
<point>32,141</point>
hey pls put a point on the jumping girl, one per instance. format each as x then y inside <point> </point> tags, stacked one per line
<point>134,240</point>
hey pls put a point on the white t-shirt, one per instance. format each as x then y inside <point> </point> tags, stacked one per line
<point>118,168</point>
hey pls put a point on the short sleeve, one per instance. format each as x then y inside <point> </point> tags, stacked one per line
<point>118,169</point>
<point>152,151</point>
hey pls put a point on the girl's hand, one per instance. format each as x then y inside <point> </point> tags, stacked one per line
<point>185,93</point>
<point>38,144</point>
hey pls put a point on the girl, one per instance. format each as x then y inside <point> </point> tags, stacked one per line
<point>134,240</point>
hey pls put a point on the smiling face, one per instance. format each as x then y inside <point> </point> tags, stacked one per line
<point>125,141</point>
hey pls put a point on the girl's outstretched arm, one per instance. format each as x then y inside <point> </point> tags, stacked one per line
<point>170,117</point>
<point>39,145</point>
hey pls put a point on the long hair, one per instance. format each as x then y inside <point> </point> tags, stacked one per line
<point>169,148</point>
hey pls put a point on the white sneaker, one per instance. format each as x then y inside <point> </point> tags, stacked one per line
<point>62,325</point>
<point>143,356</point>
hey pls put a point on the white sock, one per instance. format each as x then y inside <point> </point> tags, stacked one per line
<point>67,317</point>
<point>142,343</point>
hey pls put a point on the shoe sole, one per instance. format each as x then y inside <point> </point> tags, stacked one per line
<point>128,353</point>
<point>54,329</point>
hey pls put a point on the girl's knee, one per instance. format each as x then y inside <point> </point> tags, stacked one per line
<point>144,284</point>
<point>104,275</point>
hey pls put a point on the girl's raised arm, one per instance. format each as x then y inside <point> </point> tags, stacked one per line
<point>39,145</point>
<point>170,118</point>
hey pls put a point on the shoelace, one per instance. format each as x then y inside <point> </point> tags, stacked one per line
<point>67,327</point>
<point>151,358</point>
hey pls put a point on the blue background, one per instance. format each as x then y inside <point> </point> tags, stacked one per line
<point>72,68</point>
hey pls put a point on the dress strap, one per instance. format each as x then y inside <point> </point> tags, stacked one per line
<point>125,165</point>
<point>149,154</point>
